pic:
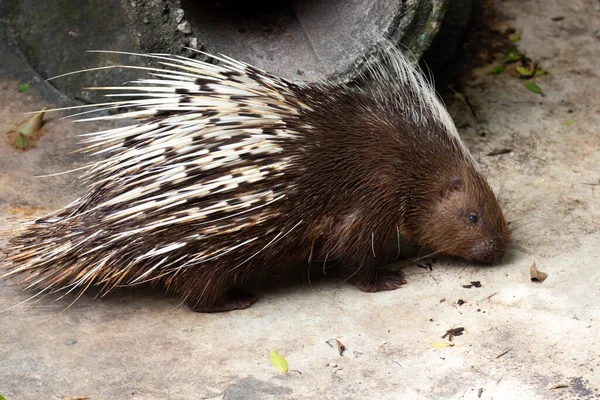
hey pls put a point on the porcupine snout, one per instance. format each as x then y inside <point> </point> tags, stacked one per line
<point>489,250</point>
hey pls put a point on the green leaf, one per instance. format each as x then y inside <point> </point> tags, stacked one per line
<point>569,122</point>
<point>533,87</point>
<point>515,37</point>
<point>540,72</point>
<point>2,397</point>
<point>526,72</point>
<point>23,88</point>
<point>511,55</point>
<point>20,143</point>
<point>278,361</point>
<point>498,69</point>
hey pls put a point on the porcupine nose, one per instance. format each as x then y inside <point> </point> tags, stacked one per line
<point>489,251</point>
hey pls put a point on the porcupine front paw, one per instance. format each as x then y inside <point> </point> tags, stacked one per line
<point>237,299</point>
<point>384,279</point>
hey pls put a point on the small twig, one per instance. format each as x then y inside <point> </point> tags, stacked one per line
<point>500,355</point>
<point>492,295</point>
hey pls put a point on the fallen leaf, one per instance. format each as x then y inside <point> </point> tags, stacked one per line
<point>20,143</point>
<point>221,397</point>
<point>441,345</point>
<point>23,88</point>
<point>31,125</point>
<point>278,361</point>
<point>2,397</point>
<point>511,55</point>
<point>526,72</point>
<point>515,37</point>
<point>537,275</point>
<point>340,345</point>
<point>497,152</point>
<point>533,87</point>
<point>70,398</point>
<point>540,72</point>
<point>559,386</point>
<point>26,133</point>
<point>569,122</point>
<point>498,69</point>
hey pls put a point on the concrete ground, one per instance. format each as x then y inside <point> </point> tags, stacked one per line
<point>521,339</point>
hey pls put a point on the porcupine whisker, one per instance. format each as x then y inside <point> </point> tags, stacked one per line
<point>419,258</point>
<point>398,241</point>
<point>180,304</point>
<point>325,262</point>
<point>373,244</point>
<point>516,226</point>
<point>526,251</point>
<point>309,263</point>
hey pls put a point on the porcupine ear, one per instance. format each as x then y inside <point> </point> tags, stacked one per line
<point>453,185</point>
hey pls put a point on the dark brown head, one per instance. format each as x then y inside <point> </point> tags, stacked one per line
<point>463,218</point>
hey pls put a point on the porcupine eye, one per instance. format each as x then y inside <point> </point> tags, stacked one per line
<point>473,218</point>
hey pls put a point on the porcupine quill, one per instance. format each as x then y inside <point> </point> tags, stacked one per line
<point>230,172</point>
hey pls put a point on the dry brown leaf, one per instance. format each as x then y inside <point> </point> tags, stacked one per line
<point>536,275</point>
<point>71,398</point>
<point>340,345</point>
<point>24,134</point>
<point>559,386</point>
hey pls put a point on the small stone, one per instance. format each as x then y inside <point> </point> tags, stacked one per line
<point>179,14</point>
<point>193,43</point>
<point>185,28</point>
<point>70,342</point>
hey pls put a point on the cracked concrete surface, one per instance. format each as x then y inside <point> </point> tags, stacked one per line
<point>520,339</point>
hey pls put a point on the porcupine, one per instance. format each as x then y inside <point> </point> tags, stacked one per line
<point>231,171</point>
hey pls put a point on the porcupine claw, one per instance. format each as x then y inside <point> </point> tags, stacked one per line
<point>237,299</point>
<point>383,280</point>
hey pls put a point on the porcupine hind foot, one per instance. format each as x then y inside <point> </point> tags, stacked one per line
<point>380,280</point>
<point>210,290</point>
<point>235,299</point>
